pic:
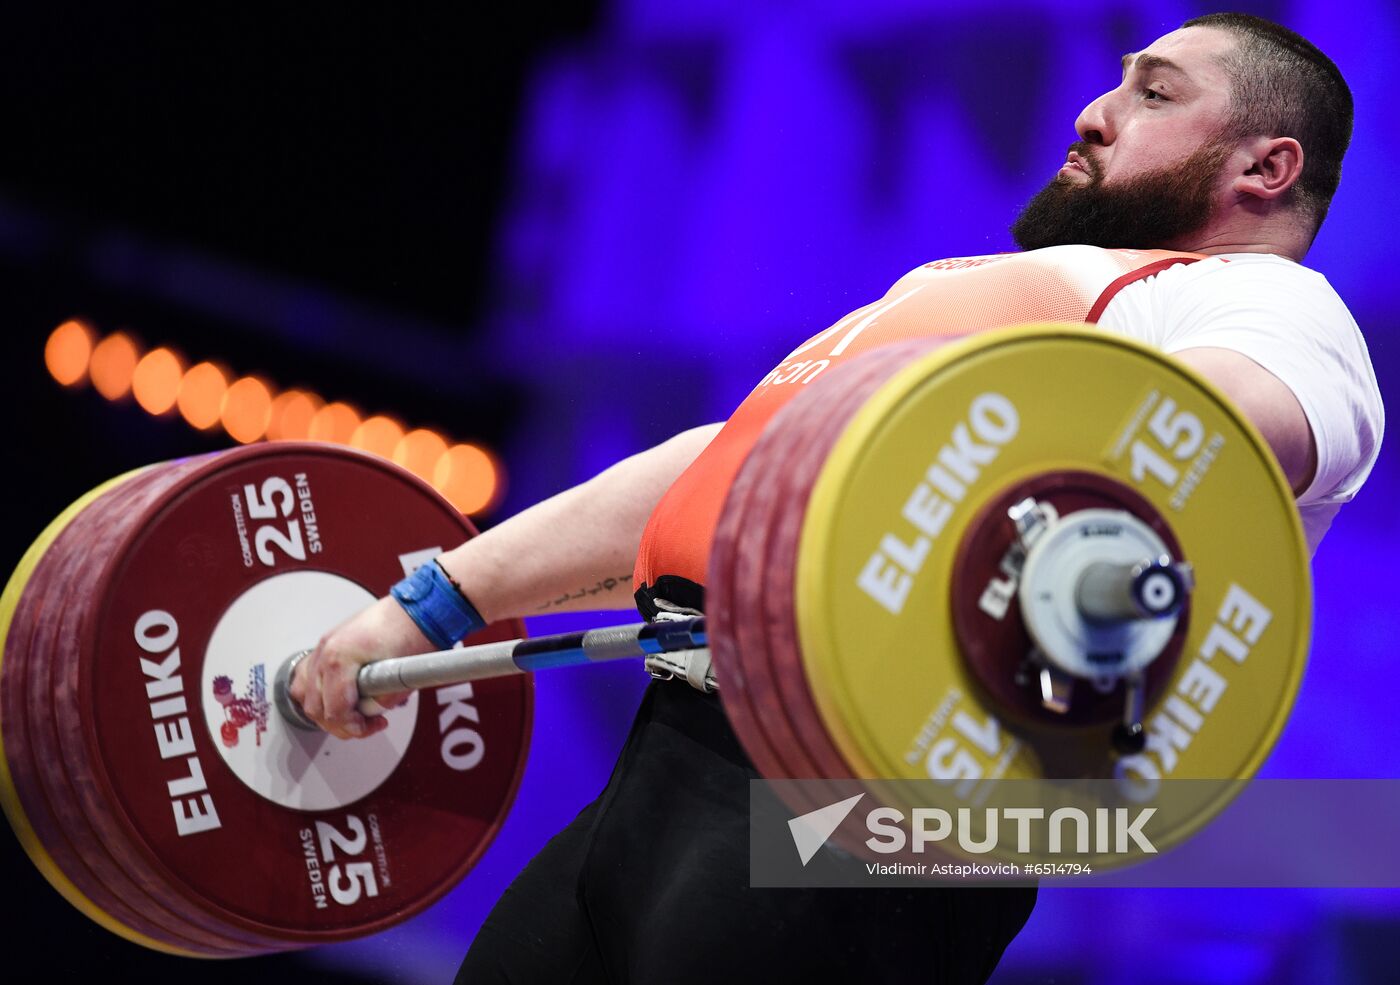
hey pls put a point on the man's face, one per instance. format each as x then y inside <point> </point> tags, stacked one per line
<point>1147,169</point>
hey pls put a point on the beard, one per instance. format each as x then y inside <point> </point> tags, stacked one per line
<point>1142,213</point>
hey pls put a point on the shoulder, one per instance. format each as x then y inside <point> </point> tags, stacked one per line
<point>1241,281</point>
<point>1287,320</point>
<point>1255,293</point>
<point>1072,261</point>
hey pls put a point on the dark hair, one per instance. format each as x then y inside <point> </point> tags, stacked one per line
<point>1283,86</point>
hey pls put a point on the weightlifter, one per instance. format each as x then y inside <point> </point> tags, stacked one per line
<point>1179,217</point>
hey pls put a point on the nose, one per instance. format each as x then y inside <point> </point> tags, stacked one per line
<point>1094,124</point>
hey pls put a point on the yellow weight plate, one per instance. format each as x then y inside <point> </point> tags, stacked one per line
<point>942,438</point>
<point>9,796</point>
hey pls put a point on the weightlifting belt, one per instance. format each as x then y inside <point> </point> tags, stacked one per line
<point>944,298</point>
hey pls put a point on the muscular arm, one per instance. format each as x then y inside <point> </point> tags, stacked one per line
<point>1269,405</point>
<point>584,537</point>
<point>580,539</point>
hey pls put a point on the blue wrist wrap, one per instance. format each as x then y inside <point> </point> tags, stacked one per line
<point>436,606</point>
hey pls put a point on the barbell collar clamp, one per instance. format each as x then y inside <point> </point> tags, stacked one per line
<point>1129,735</point>
<point>1031,517</point>
<point>1056,689</point>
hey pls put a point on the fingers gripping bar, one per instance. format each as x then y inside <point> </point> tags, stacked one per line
<point>473,663</point>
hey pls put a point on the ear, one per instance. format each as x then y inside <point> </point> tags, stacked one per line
<point>1275,165</point>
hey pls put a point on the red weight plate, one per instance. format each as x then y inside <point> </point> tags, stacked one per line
<point>123,881</point>
<point>737,641</point>
<point>298,836</point>
<point>994,648</point>
<point>729,665</point>
<point>738,583</point>
<point>107,893</point>
<point>745,581</point>
<point>813,444</point>
<point>789,671</point>
<point>736,637</point>
<point>788,512</point>
<point>794,440</point>
<point>784,689</point>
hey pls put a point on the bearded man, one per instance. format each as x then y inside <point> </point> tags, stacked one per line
<point>1180,217</point>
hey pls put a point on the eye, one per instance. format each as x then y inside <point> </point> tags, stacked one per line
<point>1153,95</point>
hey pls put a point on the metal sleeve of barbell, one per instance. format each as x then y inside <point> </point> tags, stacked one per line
<point>473,663</point>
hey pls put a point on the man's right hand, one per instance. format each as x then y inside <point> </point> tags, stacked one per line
<point>325,684</point>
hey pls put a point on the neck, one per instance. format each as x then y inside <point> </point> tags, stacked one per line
<point>1280,235</point>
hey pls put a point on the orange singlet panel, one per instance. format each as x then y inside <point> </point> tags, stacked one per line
<point>943,298</point>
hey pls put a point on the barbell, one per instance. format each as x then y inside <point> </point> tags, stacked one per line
<point>1039,552</point>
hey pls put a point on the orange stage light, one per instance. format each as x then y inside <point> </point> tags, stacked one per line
<point>292,411</point>
<point>67,352</point>
<point>247,409</point>
<point>419,452</point>
<point>468,477</point>
<point>113,362</point>
<point>202,395</point>
<point>250,409</point>
<point>156,380</point>
<point>378,435</point>
<point>334,422</point>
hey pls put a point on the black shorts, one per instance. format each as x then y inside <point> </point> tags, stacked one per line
<point>649,886</point>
